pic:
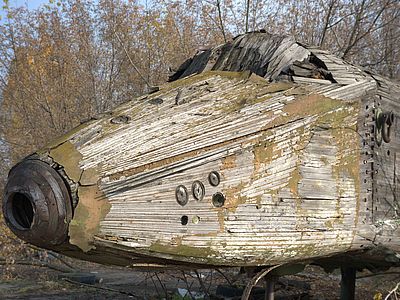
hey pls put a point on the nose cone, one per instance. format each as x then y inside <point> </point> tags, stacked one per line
<point>37,204</point>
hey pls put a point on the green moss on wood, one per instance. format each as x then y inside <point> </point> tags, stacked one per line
<point>205,254</point>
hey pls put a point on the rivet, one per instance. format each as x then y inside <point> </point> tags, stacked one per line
<point>196,220</point>
<point>182,195</point>
<point>214,178</point>
<point>218,199</point>
<point>198,190</point>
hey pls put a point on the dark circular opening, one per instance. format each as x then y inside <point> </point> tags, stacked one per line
<point>184,220</point>
<point>218,199</point>
<point>22,210</point>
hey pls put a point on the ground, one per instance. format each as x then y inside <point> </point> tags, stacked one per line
<point>27,282</point>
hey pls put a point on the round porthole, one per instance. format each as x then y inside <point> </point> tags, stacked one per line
<point>198,190</point>
<point>182,196</point>
<point>214,178</point>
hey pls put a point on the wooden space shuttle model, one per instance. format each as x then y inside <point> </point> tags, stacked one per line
<point>261,151</point>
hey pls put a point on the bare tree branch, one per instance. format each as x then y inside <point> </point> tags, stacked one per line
<point>331,8</point>
<point>393,291</point>
<point>221,23</point>
<point>247,16</point>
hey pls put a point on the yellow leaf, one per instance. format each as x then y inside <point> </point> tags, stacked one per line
<point>31,60</point>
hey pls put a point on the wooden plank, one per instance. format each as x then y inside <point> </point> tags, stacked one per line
<point>310,80</point>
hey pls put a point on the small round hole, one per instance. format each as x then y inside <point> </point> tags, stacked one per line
<point>218,199</point>
<point>388,152</point>
<point>120,120</point>
<point>184,220</point>
<point>156,101</point>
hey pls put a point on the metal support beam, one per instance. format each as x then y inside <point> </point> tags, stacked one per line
<point>269,288</point>
<point>348,283</point>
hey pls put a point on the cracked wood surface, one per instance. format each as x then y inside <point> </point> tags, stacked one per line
<point>295,160</point>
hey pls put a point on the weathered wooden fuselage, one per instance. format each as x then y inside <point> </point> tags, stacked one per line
<point>277,141</point>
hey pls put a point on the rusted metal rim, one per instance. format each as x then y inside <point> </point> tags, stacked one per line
<point>37,203</point>
<point>388,120</point>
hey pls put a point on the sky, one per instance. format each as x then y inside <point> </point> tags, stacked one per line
<point>31,4</point>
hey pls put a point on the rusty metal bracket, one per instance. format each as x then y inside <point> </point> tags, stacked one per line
<point>384,122</point>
